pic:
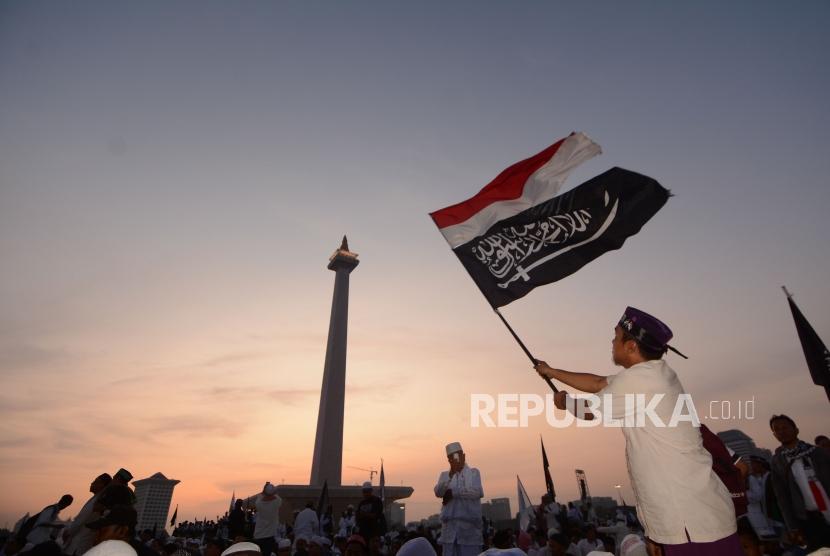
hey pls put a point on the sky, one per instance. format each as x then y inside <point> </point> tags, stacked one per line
<point>175,175</point>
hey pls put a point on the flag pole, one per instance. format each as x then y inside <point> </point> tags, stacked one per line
<point>524,348</point>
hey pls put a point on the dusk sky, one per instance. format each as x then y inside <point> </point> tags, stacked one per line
<point>175,175</point>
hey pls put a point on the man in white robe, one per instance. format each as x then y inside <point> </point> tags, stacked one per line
<point>46,525</point>
<point>267,518</point>
<point>78,537</point>
<point>347,522</point>
<point>461,493</point>
<point>307,524</point>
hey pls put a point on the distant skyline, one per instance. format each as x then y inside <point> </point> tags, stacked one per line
<point>174,177</point>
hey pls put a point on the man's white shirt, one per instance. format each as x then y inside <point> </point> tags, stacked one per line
<point>670,470</point>
<point>461,516</point>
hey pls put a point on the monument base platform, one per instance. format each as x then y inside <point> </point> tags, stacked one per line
<point>295,498</point>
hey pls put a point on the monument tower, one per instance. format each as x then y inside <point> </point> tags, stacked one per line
<point>327,463</point>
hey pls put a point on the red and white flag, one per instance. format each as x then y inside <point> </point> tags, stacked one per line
<point>516,189</point>
<point>519,232</point>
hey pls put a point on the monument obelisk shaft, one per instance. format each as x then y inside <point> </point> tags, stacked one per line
<point>327,464</point>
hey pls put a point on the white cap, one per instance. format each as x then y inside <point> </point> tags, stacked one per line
<point>115,548</point>
<point>632,545</point>
<point>318,540</point>
<point>503,552</point>
<point>241,547</point>
<point>284,543</point>
<point>418,546</point>
<point>453,447</point>
<point>599,553</point>
<point>367,485</point>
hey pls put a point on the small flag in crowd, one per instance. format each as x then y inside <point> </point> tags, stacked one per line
<point>546,469</point>
<point>517,234</point>
<point>175,514</point>
<point>323,502</point>
<point>816,353</point>
<point>382,484</point>
<point>582,484</point>
<point>525,506</point>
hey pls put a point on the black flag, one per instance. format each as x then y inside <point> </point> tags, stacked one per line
<point>548,478</point>
<point>173,519</point>
<point>382,484</point>
<point>582,483</point>
<point>323,502</point>
<point>554,239</point>
<point>818,358</point>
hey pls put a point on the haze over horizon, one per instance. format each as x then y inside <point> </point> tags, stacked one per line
<point>174,177</point>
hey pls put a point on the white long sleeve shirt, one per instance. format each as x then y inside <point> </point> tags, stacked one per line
<point>347,524</point>
<point>461,516</point>
<point>756,510</point>
<point>670,470</point>
<point>43,529</point>
<point>82,537</point>
<point>267,517</point>
<point>307,524</point>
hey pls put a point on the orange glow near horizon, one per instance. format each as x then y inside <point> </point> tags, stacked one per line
<point>174,178</point>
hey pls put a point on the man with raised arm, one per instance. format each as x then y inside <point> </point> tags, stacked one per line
<point>681,503</point>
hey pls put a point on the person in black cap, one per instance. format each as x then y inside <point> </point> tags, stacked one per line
<point>117,493</point>
<point>113,532</point>
<point>681,503</point>
<point>369,515</point>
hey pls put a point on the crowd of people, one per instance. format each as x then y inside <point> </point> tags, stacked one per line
<point>692,496</point>
<point>774,518</point>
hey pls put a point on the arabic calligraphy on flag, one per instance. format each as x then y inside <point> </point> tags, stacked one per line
<point>539,241</point>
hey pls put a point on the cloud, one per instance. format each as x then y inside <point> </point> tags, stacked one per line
<point>20,403</point>
<point>25,356</point>
<point>242,487</point>
<point>196,426</point>
<point>16,463</point>
<point>232,358</point>
<point>293,337</point>
<point>72,440</point>
<point>142,378</point>
<point>297,396</point>
<point>291,397</point>
<point>238,394</point>
<point>16,442</point>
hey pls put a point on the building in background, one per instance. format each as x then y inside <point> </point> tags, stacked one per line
<point>397,514</point>
<point>500,509</point>
<point>497,511</point>
<point>153,496</point>
<point>742,444</point>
